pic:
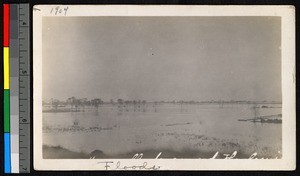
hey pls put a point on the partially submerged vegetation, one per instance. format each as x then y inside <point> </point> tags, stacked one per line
<point>74,104</point>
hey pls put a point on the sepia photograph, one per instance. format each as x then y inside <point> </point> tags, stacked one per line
<point>122,86</point>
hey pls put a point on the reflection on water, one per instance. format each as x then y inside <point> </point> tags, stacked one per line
<point>203,128</point>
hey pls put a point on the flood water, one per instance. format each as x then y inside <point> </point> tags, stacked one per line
<point>180,128</point>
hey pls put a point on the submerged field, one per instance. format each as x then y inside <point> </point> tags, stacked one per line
<point>177,131</point>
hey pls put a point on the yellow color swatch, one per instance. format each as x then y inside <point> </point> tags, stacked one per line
<point>6,67</point>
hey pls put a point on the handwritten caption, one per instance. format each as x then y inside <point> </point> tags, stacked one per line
<point>58,10</point>
<point>111,165</point>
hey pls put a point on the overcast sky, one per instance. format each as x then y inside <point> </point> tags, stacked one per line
<point>162,58</point>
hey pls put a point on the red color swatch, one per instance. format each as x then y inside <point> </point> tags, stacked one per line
<point>5,25</point>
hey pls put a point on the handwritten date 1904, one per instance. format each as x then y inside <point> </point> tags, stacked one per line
<point>59,10</point>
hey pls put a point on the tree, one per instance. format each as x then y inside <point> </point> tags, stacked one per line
<point>144,105</point>
<point>112,102</point>
<point>71,101</point>
<point>96,102</point>
<point>77,103</point>
<point>155,104</point>
<point>134,105</point>
<point>120,101</point>
<point>83,103</point>
<point>127,102</point>
<point>55,103</point>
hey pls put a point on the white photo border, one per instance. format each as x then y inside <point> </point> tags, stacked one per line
<point>287,14</point>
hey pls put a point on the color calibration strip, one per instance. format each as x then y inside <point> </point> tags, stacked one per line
<point>16,61</point>
<point>7,152</point>
<point>7,155</point>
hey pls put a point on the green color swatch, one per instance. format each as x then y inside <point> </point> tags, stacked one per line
<point>6,111</point>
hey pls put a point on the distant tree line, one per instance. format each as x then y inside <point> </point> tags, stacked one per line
<point>74,102</point>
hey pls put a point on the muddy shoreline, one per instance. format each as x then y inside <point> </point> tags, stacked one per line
<point>58,152</point>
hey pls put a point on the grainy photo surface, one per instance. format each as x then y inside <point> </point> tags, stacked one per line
<point>160,87</point>
<point>184,86</point>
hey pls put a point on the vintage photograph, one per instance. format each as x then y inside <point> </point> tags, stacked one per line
<point>169,87</point>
